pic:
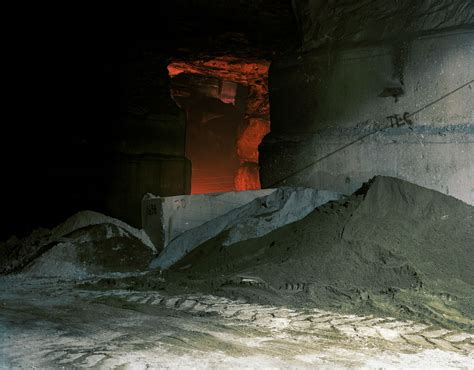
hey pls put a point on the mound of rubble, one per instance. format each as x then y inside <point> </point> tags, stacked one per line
<point>393,247</point>
<point>87,243</point>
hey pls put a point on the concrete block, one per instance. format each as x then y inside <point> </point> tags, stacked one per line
<point>165,218</point>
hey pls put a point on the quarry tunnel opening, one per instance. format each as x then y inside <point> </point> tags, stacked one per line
<point>227,110</point>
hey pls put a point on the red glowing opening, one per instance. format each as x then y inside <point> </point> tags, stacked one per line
<point>226,101</point>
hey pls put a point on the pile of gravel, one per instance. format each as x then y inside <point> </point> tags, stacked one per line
<point>87,243</point>
<point>393,247</point>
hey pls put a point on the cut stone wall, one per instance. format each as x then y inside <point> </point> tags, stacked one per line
<point>329,22</point>
<point>133,176</point>
<point>323,102</point>
<point>146,148</point>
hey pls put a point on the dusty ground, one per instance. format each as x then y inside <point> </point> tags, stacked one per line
<point>49,324</point>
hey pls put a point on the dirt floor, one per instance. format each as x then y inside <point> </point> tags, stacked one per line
<point>46,323</point>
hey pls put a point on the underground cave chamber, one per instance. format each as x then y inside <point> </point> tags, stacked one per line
<point>227,114</point>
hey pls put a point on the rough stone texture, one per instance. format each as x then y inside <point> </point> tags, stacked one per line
<point>254,219</point>
<point>323,102</point>
<point>215,108</point>
<point>247,177</point>
<point>165,218</point>
<point>243,28</point>
<point>77,247</point>
<point>253,74</point>
<point>148,145</point>
<point>250,138</point>
<point>151,122</point>
<point>340,22</point>
<point>133,176</point>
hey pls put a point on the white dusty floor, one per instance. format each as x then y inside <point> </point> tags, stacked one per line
<point>50,324</point>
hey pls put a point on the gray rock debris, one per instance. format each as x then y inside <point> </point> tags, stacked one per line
<point>252,220</point>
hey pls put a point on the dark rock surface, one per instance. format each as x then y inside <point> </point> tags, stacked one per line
<point>324,22</point>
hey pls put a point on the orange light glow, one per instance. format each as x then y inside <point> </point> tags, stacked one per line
<point>210,175</point>
<point>250,139</point>
<point>247,177</point>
